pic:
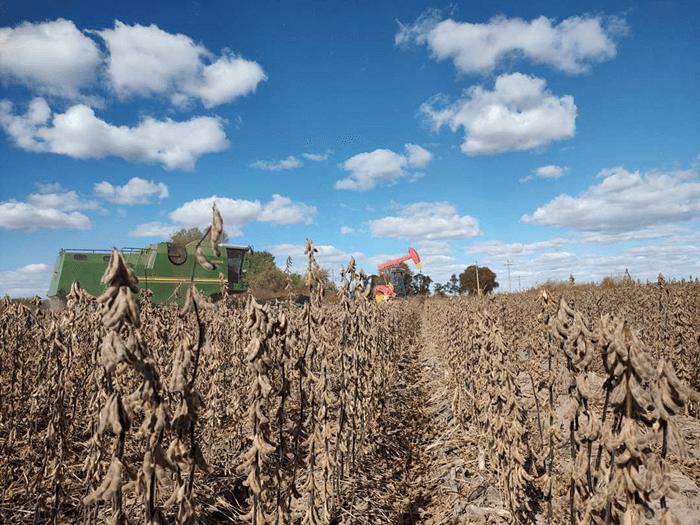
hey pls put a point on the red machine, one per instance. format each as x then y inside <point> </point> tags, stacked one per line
<point>393,277</point>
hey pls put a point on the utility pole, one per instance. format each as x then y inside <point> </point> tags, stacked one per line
<point>478,288</point>
<point>509,264</point>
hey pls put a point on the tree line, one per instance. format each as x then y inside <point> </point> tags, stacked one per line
<point>265,277</point>
<point>464,283</point>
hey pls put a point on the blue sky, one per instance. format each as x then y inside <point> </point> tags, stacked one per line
<point>564,140</point>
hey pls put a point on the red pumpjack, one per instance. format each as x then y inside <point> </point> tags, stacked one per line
<point>390,271</point>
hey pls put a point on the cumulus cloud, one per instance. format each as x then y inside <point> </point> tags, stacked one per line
<point>282,210</point>
<point>518,114</point>
<point>346,230</point>
<point>572,45</point>
<point>382,166</point>
<point>57,58</point>
<point>289,163</point>
<point>16,215</point>
<point>136,191</point>
<point>625,202</point>
<point>417,157</point>
<point>235,212</point>
<point>50,196</point>
<point>424,221</point>
<point>549,171</point>
<point>51,208</point>
<point>54,57</point>
<point>27,281</point>
<point>145,60</point>
<point>80,134</point>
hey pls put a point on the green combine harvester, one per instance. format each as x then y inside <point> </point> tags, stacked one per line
<point>164,268</point>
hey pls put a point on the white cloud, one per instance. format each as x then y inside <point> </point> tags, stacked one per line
<point>51,208</point>
<point>652,232</point>
<point>27,281</point>
<point>50,57</point>
<point>417,156</point>
<point>537,262</point>
<point>572,45</point>
<point>381,166</point>
<point>154,229</point>
<point>346,230</point>
<point>316,157</point>
<point>426,221</point>
<point>550,171</point>
<point>145,60</point>
<point>434,248</point>
<point>676,257</point>
<point>227,78</point>
<point>625,202</point>
<point>136,191</point>
<point>235,212</point>
<point>15,215</point>
<point>59,199</point>
<point>437,260</point>
<point>282,210</point>
<point>519,114</point>
<point>78,133</point>
<point>289,163</point>
<point>502,251</point>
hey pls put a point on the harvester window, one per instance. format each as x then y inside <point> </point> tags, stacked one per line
<point>235,262</point>
<point>80,257</point>
<point>177,254</point>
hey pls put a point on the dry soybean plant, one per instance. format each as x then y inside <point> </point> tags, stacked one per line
<point>566,405</point>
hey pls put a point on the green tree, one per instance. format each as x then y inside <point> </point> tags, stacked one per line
<point>421,284</point>
<point>468,281</point>
<point>263,273</point>
<point>439,289</point>
<point>185,236</point>
<point>452,286</point>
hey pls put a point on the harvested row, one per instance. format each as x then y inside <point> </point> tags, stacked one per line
<point>578,421</point>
